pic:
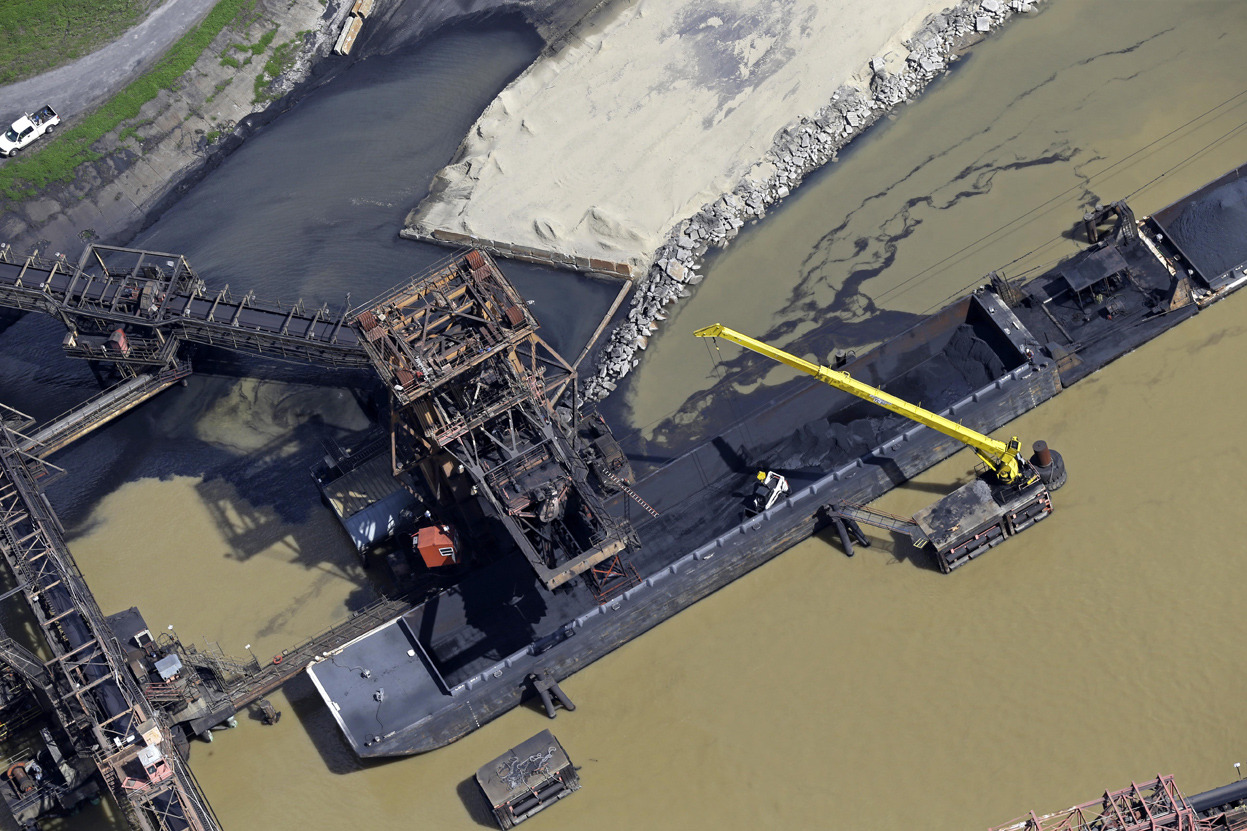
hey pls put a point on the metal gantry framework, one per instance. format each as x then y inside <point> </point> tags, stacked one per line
<point>87,684</point>
<point>134,308</point>
<point>474,390</point>
<point>1157,805</point>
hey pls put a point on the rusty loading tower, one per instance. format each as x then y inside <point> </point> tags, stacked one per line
<point>474,395</point>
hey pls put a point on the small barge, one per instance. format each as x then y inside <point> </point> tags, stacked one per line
<point>527,779</point>
<point>564,586</point>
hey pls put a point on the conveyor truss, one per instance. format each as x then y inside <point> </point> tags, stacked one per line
<point>86,685</point>
<point>135,308</point>
<point>1156,805</point>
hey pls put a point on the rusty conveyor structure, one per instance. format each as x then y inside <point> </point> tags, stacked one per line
<point>159,302</point>
<point>473,394</point>
<point>135,310</point>
<point>1156,805</point>
<point>86,683</point>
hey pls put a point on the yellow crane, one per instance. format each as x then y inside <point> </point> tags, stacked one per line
<point>1004,458</point>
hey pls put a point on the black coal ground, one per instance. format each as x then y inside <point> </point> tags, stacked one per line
<point>966,363</point>
<point>1213,231</point>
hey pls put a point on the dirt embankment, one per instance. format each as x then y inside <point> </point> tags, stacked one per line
<point>250,73</point>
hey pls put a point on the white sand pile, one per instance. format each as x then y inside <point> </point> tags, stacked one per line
<point>649,110</point>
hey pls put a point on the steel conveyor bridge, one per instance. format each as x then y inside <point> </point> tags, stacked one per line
<point>258,681</point>
<point>156,302</point>
<point>86,683</point>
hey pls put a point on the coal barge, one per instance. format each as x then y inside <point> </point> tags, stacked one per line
<point>573,560</point>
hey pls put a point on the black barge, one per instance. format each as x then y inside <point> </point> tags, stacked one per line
<point>468,654</point>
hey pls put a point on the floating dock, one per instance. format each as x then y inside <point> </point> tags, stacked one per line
<point>527,779</point>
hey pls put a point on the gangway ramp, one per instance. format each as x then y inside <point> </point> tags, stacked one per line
<point>880,519</point>
<point>847,518</point>
<point>251,686</point>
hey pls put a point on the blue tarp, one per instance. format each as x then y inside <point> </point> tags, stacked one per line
<point>378,521</point>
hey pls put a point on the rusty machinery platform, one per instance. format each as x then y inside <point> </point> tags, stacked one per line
<point>474,412</point>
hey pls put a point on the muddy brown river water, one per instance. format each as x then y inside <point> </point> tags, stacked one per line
<point>1103,646</point>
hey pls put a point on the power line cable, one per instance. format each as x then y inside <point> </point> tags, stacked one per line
<point>928,273</point>
<point>1097,175</point>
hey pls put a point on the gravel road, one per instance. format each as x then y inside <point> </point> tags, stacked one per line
<point>76,88</point>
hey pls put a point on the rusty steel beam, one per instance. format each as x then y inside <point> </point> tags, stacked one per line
<point>1156,805</point>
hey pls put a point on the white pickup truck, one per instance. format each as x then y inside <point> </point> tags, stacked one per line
<point>28,128</point>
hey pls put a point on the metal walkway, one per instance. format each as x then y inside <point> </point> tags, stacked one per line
<point>156,298</point>
<point>260,681</point>
<point>879,519</point>
<point>89,685</point>
<point>99,410</point>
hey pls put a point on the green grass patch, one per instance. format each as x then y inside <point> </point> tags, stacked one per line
<point>132,131</point>
<point>217,90</point>
<point>261,46</point>
<point>253,51</point>
<point>38,35</point>
<point>280,61</point>
<point>58,158</point>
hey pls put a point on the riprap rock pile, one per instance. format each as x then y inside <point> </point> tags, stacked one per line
<point>799,149</point>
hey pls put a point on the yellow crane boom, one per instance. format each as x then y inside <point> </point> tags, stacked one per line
<point>1003,458</point>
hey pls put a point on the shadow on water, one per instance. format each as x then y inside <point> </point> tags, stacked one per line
<point>901,550</point>
<point>475,804</point>
<point>318,724</point>
<point>160,439</point>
